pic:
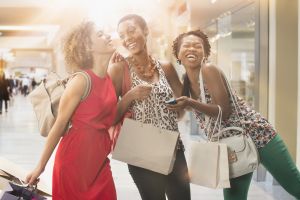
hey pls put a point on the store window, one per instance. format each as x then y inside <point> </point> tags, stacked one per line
<point>232,37</point>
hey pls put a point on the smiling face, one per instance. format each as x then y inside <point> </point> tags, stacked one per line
<point>133,36</point>
<point>101,43</point>
<point>191,51</point>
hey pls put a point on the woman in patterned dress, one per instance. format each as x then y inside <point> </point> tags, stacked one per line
<point>81,169</point>
<point>151,84</point>
<point>192,50</point>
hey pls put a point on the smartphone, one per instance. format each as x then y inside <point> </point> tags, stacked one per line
<point>171,101</point>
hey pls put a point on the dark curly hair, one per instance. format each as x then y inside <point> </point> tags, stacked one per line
<point>77,45</point>
<point>186,90</point>
<point>137,18</point>
<point>197,33</point>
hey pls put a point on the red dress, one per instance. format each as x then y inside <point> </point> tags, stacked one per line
<point>81,168</point>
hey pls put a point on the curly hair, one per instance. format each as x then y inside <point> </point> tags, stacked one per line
<point>77,45</point>
<point>197,33</point>
<point>186,89</point>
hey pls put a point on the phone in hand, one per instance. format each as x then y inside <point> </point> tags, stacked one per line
<point>171,102</point>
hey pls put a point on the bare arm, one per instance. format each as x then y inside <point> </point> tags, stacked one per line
<point>172,78</point>
<point>68,103</point>
<point>218,91</point>
<point>116,72</point>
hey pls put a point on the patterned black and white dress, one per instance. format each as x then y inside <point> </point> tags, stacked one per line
<point>161,92</point>
<point>257,127</point>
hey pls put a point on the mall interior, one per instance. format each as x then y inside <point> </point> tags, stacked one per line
<point>255,42</point>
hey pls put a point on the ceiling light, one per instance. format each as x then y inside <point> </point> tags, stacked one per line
<point>213,1</point>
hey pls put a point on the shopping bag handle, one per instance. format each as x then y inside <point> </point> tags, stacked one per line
<point>236,109</point>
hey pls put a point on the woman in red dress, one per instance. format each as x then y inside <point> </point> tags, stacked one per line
<point>81,169</point>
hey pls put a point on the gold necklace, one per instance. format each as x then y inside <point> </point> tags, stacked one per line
<point>146,72</point>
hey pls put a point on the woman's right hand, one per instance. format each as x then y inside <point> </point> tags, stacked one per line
<point>33,177</point>
<point>140,92</point>
<point>116,57</point>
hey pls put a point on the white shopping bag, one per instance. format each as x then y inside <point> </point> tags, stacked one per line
<point>146,146</point>
<point>209,164</point>
<point>10,171</point>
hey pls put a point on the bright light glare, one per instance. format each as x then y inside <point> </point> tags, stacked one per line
<point>106,13</point>
<point>4,50</point>
<point>51,30</point>
<point>29,28</point>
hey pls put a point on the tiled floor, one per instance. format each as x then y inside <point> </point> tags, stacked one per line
<point>21,143</point>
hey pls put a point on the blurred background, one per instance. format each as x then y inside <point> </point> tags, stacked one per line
<point>255,42</point>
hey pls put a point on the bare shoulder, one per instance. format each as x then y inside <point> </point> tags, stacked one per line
<point>166,65</point>
<point>168,69</point>
<point>116,72</point>
<point>172,77</point>
<point>116,69</point>
<point>211,71</point>
<point>77,79</point>
<point>76,86</point>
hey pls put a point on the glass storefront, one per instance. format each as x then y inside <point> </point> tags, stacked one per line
<point>232,37</point>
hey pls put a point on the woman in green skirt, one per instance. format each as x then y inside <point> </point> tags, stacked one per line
<point>192,50</point>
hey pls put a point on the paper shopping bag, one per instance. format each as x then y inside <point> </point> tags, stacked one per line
<point>18,192</point>
<point>12,172</point>
<point>209,164</point>
<point>146,146</point>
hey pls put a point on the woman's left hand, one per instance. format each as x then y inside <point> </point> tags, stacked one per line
<point>181,104</point>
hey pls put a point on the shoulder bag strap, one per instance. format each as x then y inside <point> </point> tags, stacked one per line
<point>88,83</point>
<point>202,93</point>
<point>234,100</point>
<point>219,119</point>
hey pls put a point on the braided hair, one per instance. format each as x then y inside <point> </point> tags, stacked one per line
<point>77,46</point>
<point>186,91</point>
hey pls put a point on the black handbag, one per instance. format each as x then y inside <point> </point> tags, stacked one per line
<point>20,192</point>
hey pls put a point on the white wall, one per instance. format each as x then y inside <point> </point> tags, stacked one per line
<point>272,62</point>
<point>287,73</point>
